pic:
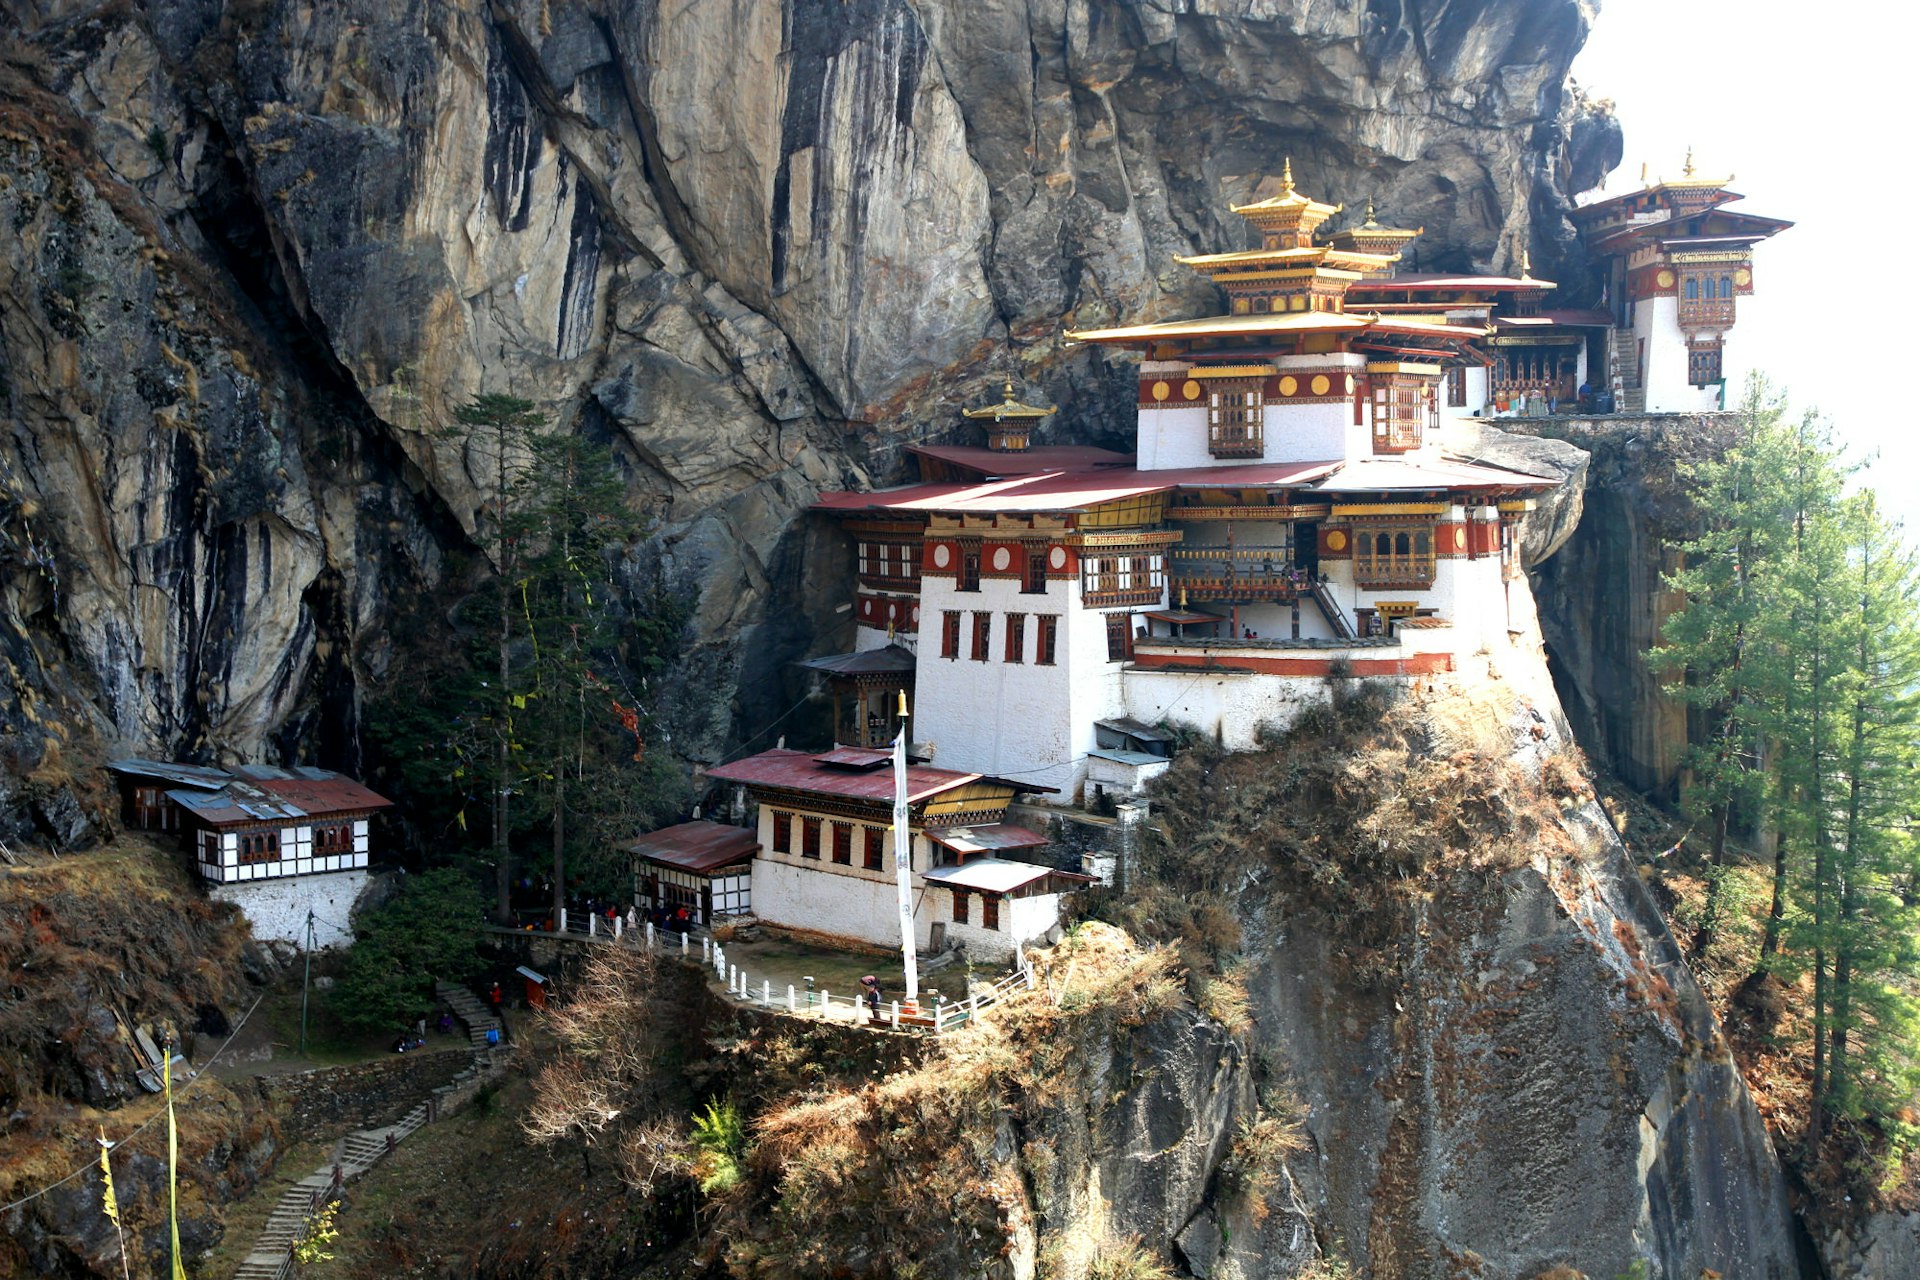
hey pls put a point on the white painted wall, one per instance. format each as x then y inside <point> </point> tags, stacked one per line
<point>277,908</point>
<point>1657,320</point>
<point>1113,776</point>
<point>1020,720</point>
<point>218,855</point>
<point>1231,706</point>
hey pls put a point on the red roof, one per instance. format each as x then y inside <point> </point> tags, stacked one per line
<point>697,846</point>
<point>1073,490</point>
<point>791,770</point>
<point>1021,462</point>
<point>1417,280</point>
<point>324,795</point>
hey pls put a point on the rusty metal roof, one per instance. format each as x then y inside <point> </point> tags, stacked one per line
<point>333,793</point>
<point>790,770</point>
<point>697,846</point>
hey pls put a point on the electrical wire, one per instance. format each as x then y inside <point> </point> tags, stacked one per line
<point>199,1075</point>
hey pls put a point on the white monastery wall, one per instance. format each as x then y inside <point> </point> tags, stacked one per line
<point>277,908</point>
<point>814,897</point>
<point>1172,438</point>
<point>1022,920</point>
<point>1657,321</point>
<point>1231,706</point>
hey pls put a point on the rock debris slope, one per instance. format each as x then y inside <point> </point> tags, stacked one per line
<point>260,249</point>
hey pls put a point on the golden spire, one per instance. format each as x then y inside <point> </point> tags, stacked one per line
<point>1526,265</point>
<point>1007,408</point>
<point>1643,173</point>
<point>1286,177</point>
<point>1369,223</point>
<point>1686,170</point>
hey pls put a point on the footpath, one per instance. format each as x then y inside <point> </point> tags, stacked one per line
<point>271,1257</point>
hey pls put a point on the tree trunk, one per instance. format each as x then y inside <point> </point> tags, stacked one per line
<point>559,839</point>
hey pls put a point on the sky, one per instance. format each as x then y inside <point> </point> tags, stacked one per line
<point>1812,108</point>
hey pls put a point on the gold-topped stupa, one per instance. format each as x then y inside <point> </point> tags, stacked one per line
<point>1012,422</point>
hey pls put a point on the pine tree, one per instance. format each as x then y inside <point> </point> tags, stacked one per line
<point>1710,648</point>
<point>501,434</point>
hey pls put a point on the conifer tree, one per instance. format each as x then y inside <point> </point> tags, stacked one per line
<point>1710,648</point>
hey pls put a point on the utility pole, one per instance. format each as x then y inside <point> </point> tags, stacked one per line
<point>903,855</point>
<point>306,982</point>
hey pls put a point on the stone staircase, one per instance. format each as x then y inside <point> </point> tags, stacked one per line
<point>271,1257</point>
<point>467,1007</point>
<point>1623,357</point>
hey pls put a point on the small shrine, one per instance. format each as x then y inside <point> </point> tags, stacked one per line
<point>1011,423</point>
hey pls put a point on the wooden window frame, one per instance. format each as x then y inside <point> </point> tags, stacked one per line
<point>960,912</point>
<point>1402,410</point>
<point>257,847</point>
<point>1046,652</point>
<point>982,636</point>
<point>1016,639</point>
<point>810,838</point>
<point>1119,637</point>
<point>782,832</point>
<point>873,844</point>
<point>950,633</point>
<point>968,578</point>
<point>1035,581</point>
<point>990,911</point>
<point>843,843</point>
<point>1394,566</point>
<point>1236,417</point>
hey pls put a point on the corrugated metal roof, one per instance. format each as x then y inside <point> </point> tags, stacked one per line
<point>1383,475</point>
<point>987,837</point>
<point>855,757</point>
<point>187,775</point>
<point>278,799</point>
<point>792,770</point>
<point>1071,490</point>
<point>697,846</point>
<point>331,793</point>
<point>988,875</point>
<point>887,660</point>
<point>1137,759</point>
<point>1021,462</point>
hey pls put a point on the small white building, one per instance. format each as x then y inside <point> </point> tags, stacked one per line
<point>282,844</point>
<point>702,868</point>
<point>826,858</point>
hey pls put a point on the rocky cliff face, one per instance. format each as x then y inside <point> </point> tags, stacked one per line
<point>261,249</point>
<point>1602,598</point>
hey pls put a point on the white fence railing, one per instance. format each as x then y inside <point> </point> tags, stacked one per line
<point>937,1015</point>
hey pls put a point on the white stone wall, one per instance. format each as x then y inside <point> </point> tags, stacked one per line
<point>1231,706</point>
<point>1297,432</point>
<point>1113,776</point>
<point>277,908</point>
<point>1022,921</point>
<point>1020,720</point>
<point>1657,320</point>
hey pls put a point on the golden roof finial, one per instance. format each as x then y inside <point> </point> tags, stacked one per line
<point>1009,389</point>
<point>1686,170</point>
<point>1286,176</point>
<point>1526,265</point>
<point>1370,222</point>
<point>1643,173</point>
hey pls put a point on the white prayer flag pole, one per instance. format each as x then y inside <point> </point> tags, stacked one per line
<point>903,855</point>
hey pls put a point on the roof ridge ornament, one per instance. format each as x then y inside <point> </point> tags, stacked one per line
<point>1286,177</point>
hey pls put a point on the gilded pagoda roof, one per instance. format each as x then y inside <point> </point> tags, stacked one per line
<point>1312,255</point>
<point>1291,323</point>
<point>1007,408</point>
<point>1288,205</point>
